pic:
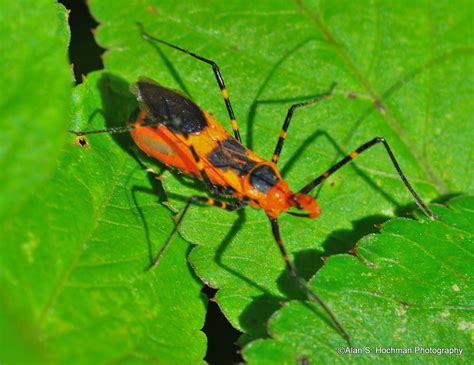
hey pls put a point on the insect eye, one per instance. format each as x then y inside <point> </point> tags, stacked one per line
<point>263,178</point>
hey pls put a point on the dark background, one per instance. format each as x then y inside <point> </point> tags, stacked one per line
<point>85,55</point>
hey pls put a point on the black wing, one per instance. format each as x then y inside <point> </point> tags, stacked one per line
<point>168,107</point>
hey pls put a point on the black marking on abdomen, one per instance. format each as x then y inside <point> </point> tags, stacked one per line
<point>235,146</point>
<point>169,108</point>
<point>263,178</point>
<point>231,154</point>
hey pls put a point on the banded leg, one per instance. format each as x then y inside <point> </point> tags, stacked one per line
<point>356,153</point>
<point>217,73</point>
<point>289,115</point>
<point>301,283</point>
<point>192,199</point>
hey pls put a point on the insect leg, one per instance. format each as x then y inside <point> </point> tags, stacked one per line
<point>115,130</point>
<point>192,199</point>
<point>217,73</point>
<point>357,152</point>
<point>289,115</point>
<point>300,282</point>
<point>137,124</point>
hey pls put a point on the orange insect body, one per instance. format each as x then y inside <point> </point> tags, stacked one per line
<point>234,169</point>
<point>175,131</point>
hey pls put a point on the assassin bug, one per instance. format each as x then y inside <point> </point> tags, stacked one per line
<point>174,130</point>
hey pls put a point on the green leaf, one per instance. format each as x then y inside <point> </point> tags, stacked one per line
<point>410,287</point>
<point>35,101</point>
<point>402,73</point>
<point>73,263</point>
